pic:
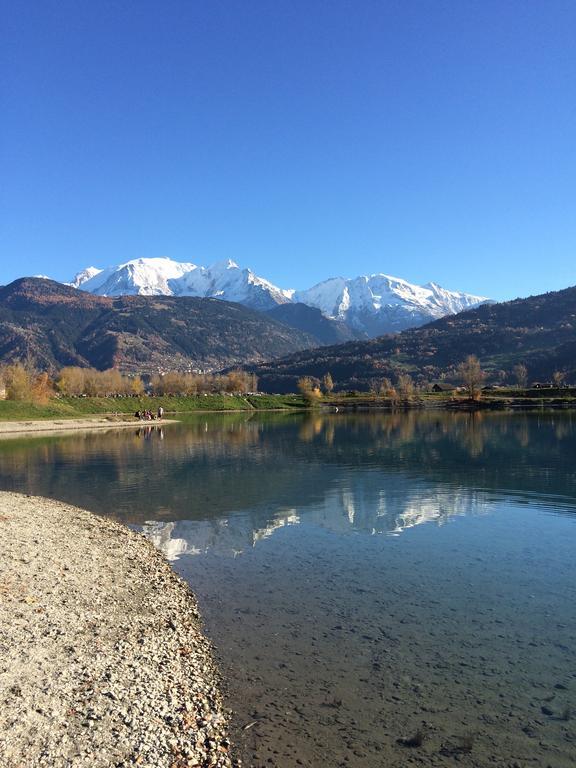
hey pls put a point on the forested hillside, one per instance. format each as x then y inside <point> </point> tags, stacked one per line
<point>52,325</point>
<point>539,332</point>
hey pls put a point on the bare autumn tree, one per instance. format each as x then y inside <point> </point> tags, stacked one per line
<point>472,376</point>
<point>171,383</point>
<point>25,383</point>
<point>41,388</point>
<point>327,383</point>
<point>91,382</point>
<point>405,387</point>
<point>304,385</point>
<point>521,375</point>
<point>235,381</point>
<point>386,387</point>
<point>136,386</point>
<point>71,380</point>
<point>374,386</point>
<point>111,382</point>
<point>382,387</point>
<point>174,383</point>
<point>308,388</point>
<point>558,378</point>
<point>18,382</point>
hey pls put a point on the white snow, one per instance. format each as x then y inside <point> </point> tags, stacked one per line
<point>84,276</point>
<point>383,303</point>
<point>371,304</point>
<point>165,277</point>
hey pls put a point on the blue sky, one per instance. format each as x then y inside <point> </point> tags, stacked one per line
<point>428,139</point>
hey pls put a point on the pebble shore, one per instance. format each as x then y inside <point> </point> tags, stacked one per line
<point>17,429</point>
<point>102,657</point>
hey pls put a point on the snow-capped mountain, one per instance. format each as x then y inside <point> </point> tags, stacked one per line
<point>369,305</point>
<point>165,277</point>
<point>84,276</point>
<point>377,304</point>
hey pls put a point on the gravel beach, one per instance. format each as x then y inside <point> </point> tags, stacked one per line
<point>102,657</point>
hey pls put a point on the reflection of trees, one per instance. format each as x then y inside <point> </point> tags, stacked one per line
<point>312,426</point>
<point>492,450</point>
<point>329,433</point>
<point>523,435</point>
<point>219,465</point>
<point>562,429</point>
<point>474,436</point>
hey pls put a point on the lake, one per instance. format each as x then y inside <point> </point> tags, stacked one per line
<point>381,589</point>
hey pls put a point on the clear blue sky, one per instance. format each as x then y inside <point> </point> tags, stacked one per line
<point>429,139</point>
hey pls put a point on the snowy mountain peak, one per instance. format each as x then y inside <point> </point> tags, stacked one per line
<point>221,266</point>
<point>379,303</point>
<point>83,276</point>
<point>368,304</point>
<point>146,277</point>
<point>163,276</point>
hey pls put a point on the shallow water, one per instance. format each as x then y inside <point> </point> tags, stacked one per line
<point>364,578</point>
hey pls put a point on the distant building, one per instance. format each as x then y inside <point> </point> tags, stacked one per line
<point>441,387</point>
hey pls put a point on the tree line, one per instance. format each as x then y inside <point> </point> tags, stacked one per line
<point>22,381</point>
<point>312,389</point>
<point>468,374</point>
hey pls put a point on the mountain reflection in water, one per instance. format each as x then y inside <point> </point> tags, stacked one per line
<point>373,503</point>
<point>338,644</point>
<point>225,481</point>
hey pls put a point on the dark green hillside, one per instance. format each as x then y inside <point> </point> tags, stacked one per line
<point>54,325</point>
<point>311,320</point>
<point>539,332</point>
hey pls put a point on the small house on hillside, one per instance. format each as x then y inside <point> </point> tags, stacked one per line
<point>440,386</point>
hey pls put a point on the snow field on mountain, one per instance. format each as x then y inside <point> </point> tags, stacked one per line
<point>371,304</point>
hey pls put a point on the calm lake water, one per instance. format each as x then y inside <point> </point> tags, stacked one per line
<point>369,582</point>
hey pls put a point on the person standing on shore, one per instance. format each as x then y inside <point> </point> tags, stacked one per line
<point>160,412</point>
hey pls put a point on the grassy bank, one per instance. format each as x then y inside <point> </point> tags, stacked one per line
<point>74,407</point>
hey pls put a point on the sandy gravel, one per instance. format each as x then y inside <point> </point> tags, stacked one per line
<point>102,658</point>
<point>49,426</point>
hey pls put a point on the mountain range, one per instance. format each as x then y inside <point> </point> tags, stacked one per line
<point>538,332</point>
<point>363,307</point>
<point>53,325</point>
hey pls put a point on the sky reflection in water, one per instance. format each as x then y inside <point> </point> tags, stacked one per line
<point>336,640</point>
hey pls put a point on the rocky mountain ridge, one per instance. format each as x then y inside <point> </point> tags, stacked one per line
<point>53,325</point>
<point>367,305</point>
<point>538,332</point>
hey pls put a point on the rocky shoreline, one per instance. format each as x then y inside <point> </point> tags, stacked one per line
<point>102,657</point>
